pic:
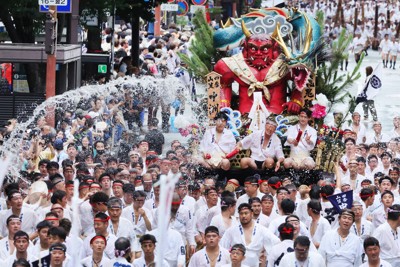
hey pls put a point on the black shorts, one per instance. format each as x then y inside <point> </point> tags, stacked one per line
<point>259,164</point>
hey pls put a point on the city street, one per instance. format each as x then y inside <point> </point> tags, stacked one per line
<point>387,102</point>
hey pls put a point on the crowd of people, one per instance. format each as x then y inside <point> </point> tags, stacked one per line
<point>268,221</point>
<point>260,219</point>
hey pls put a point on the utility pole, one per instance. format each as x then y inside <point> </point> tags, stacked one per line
<point>51,49</point>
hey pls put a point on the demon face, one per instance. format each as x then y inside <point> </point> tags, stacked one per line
<point>260,51</point>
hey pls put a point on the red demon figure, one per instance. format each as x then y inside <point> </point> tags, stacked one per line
<point>258,68</point>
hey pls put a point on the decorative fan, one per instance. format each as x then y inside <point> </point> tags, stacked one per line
<point>234,122</point>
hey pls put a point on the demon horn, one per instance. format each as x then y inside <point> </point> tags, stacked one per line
<point>246,32</point>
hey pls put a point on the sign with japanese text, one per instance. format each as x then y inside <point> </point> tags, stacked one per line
<point>342,200</point>
<point>309,92</point>
<point>53,2</point>
<point>213,89</point>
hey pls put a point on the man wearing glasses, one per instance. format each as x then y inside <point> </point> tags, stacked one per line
<point>217,142</point>
<point>302,257</point>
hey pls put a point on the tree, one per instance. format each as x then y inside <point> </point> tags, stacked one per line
<point>201,48</point>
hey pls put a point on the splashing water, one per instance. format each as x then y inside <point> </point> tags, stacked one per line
<point>147,86</point>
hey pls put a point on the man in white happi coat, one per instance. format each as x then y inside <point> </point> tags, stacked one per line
<point>340,247</point>
<point>21,243</point>
<point>122,254</point>
<point>302,139</point>
<point>352,177</point>
<point>302,256</point>
<point>7,243</point>
<point>212,254</point>
<point>358,128</point>
<point>387,235</point>
<point>217,142</point>
<point>377,135</point>
<point>120,226</point>
<point>372,250</point>
<point>138,215</point>
<point>238,254</point>
<point>187,201</point>
<point>317,224</point>
<point>251,186</point>
<point>87,210</point>
<point>265,147</point>
<point>101,221</point>
<point>98,244</point>
<point>384,49</point>
<point>286,234</point>
<point>28,216</point>
<point>175,251</point>
<point>253,236</point>
<point>148,245</point>
<point>258,216</point>
<point>206,212</point>
<point>182,221</point>
<point>361,226</point>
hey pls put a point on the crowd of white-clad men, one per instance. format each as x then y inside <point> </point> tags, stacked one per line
<point>269,222</point>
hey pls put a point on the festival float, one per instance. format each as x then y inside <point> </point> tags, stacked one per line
<point>283,57</point>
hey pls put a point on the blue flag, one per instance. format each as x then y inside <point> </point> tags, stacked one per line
<point>342,200</point>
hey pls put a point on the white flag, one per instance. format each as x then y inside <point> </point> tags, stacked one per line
<point>272,3</point>
<point>372,86</point>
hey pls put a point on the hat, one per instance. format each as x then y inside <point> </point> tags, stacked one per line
<point>58,144</point>
<point>150,57</point>
<point>93,114</point>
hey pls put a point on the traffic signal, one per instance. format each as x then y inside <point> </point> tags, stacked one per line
<point>50,36</point>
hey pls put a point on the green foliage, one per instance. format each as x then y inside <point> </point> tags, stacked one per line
<point>141,8</point>
<point>320,17</point>
<point>328,80</point>
<point>22,19</point>
<point>202,50</point>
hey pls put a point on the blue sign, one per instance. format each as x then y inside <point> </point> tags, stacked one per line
<point>60,9</point>
<point>342,200</point>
